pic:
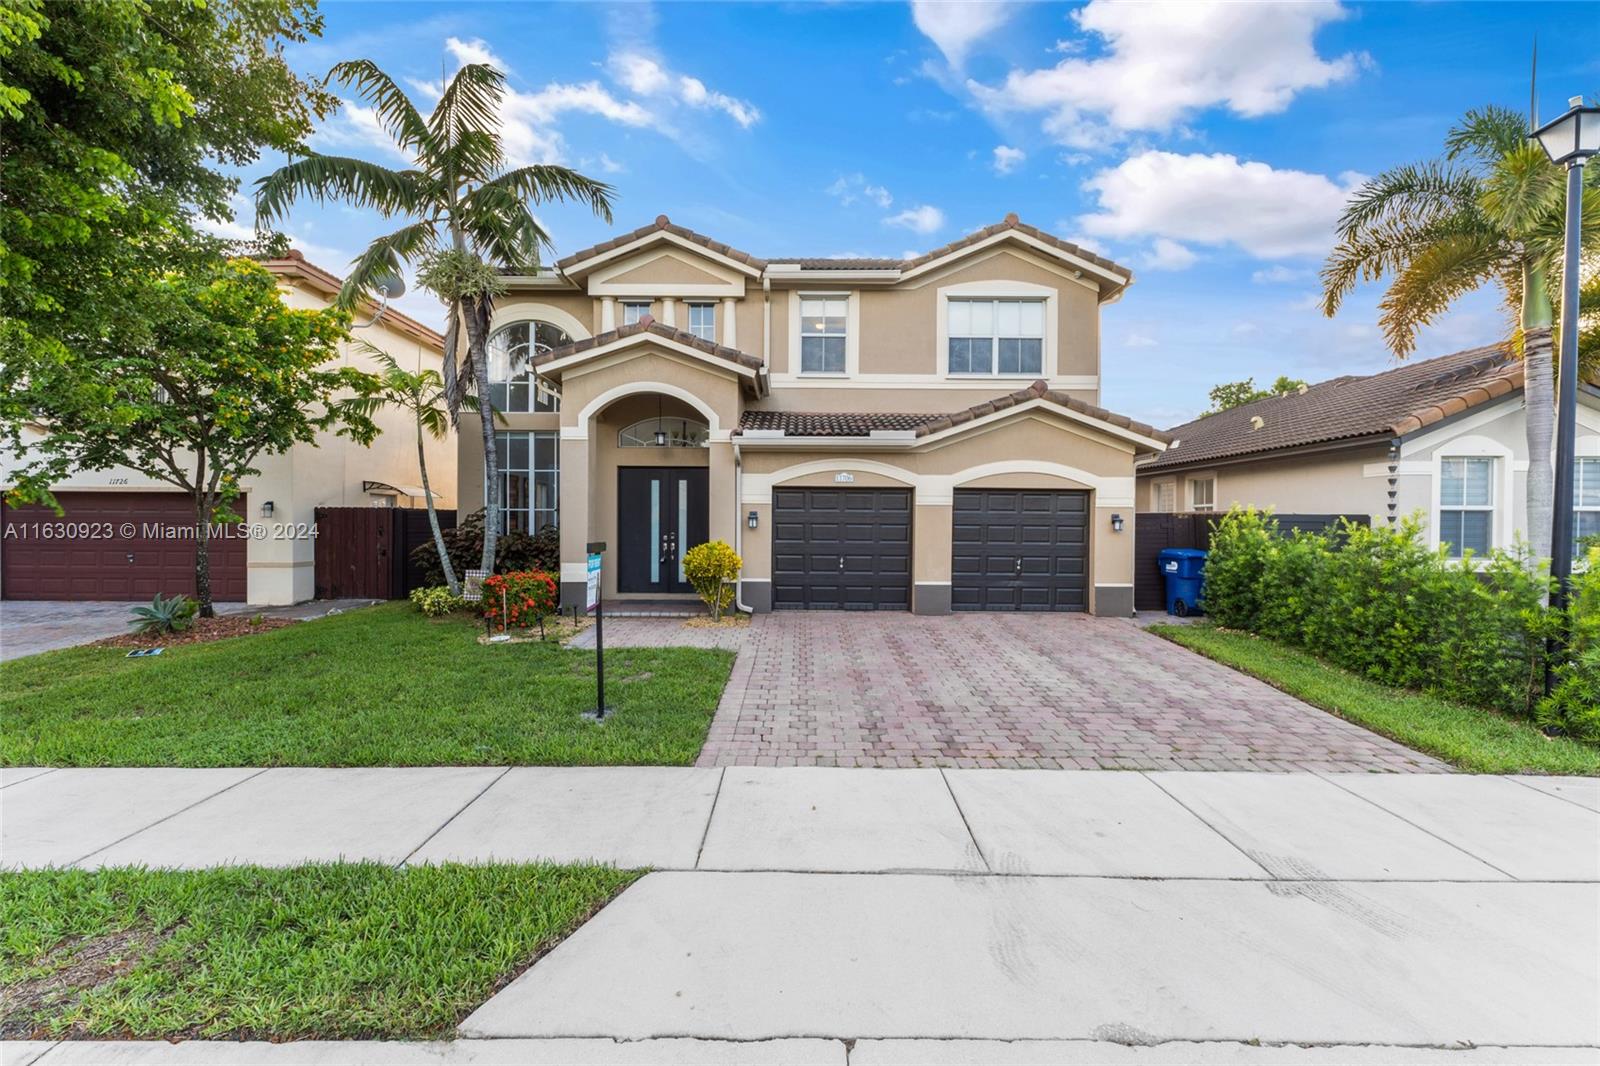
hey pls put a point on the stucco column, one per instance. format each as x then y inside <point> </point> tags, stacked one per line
<point>575,515</point>
<point>608,314</point>
<point>730,322</point>
<point>930,558</point>
<point>669,312</point>
<point>722,501</point>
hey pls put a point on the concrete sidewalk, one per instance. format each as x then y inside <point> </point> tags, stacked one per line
<point>815,820</point>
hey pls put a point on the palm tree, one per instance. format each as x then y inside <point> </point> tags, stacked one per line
<point>1490,212</point>
<point>471,219</point>
<point>421,394</point>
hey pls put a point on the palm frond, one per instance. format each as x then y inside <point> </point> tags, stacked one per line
<point>355,181</point>
<point>1522,190</point>
<point>502,229</point>
<point>474,157</point>
<point>542,183</point>
<point>470,102</point>
<point>396,113</point>
<point>1415,193</point>
<point>1387,249</point>
<point>1433,279</point>
<point>434,421</point>
<point>452,363</point>
<point>385,258</point>
<point>1487,134</point>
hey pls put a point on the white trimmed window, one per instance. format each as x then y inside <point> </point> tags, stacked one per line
<point>703,321</point>
<point>678,433</point>
<point>1586,497</point>
<point>1466,505</point>
<point>996,337</point>
<point>1203,494</point>
<point>513,386</point>
<point>634,310</point>
<point>823,331</point>
<point>529,481</point>
<point>1164,497</point>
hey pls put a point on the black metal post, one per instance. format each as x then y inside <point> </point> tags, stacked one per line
<point>599,656</point>
<point>1561,531</point>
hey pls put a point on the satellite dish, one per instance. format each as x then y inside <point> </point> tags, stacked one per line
<point>390,286</point>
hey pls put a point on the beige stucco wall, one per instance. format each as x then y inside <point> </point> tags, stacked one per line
<point>327,473</point>
<point>674,268</point>
<point>1307,484</point>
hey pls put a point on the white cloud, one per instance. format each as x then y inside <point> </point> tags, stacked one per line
<point>609,165</point>
<point>473,51</point>
<point>956,25</point>
<point>851,188</point>
<point>1161,62</point>
<point>1218,200</point>
<point>921,219</point>
<point>642,74</point>
<point>1007,159</point>
<point>1139,340</point>
<point>1167,254</point>
<point>528,121</point>
<point>1278,274</point>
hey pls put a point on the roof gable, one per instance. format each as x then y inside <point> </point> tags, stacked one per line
<point>662,231</point>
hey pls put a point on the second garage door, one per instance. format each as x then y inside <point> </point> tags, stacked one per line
<point>841,549</point>
<point>1020,550</point>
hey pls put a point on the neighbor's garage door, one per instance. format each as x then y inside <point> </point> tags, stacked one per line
<point>841,549</point>
<point>1020,551</point>
<point>85,553</point>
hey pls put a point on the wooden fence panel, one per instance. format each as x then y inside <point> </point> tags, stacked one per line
<point>1153,532</point>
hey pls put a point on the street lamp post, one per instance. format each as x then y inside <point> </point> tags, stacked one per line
<point>1569,141</point>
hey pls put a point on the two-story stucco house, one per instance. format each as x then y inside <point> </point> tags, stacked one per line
<point>887,434</point>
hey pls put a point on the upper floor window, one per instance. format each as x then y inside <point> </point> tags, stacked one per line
<point>513,386</point>
<point>1466,505</point>
<point>675,433</point>
<point>703,321</point>
<point>1203,494</point>
<point>822,334</point>
<point>634,310</point>
<point>1586,497</point>
<point>996,336</point>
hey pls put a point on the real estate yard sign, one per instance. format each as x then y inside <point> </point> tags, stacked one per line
<point>593,582</point>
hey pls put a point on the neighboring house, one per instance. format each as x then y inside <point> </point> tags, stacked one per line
<point>282,499</point>
<point>914,434</point>
<point>1445,437</point>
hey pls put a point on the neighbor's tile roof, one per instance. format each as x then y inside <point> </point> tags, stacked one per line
<point>860,424</point>
<point>649,325</point>
<point>662,223</point>
<point>1392,403</point>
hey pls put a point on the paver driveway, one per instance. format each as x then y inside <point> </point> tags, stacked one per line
<point>829,689</point>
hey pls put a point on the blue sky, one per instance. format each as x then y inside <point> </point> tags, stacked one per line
<point>1207,147</point>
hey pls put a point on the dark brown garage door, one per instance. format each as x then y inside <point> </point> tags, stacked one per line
<point>841,549</point>
<point>88,552</point>
<point>1020,551</point>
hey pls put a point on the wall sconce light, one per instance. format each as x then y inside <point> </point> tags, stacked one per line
<point>1116,523</point>
<point>661,427</point>
<point>752,520</point>
<point>266,509</point>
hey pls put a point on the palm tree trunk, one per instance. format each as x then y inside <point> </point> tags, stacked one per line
<point>478,355</point>
<point>433,515</point>
<point>202,553</point>
<point>1538,356</point>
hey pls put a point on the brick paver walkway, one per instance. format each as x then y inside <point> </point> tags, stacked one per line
<point>999,690</point>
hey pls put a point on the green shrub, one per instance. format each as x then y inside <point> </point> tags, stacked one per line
<point>1379,602</point>
<point>513,551</point>
<point>713,569</point>
<point>162,615</point>
<point>436,601</point>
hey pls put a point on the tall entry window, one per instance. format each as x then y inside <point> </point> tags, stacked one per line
<point>529,479</point>
<point>513,386</point>
<point>996,337</point>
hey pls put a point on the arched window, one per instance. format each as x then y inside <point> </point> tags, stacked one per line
<point>679,433</point>
<point>513,386</point>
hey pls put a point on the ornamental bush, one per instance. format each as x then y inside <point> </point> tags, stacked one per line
<point>513,551</point>
<point>713,569</point>
<point>521,598</point>
<point>436,601</point>
<point>1379,602</point>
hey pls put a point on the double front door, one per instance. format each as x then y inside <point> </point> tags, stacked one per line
<point>662,512</point>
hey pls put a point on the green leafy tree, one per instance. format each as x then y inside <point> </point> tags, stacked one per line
<point>214,372</point>
<point>1238,393</point>
<point>120,121</point>
<point>1489,212</point>
<point>471,218</point>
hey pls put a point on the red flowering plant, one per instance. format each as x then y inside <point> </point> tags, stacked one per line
<point>522,598</point>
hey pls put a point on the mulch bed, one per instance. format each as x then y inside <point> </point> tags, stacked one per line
<point>202,631</point>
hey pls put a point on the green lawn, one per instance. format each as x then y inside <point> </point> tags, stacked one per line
<point>333,951</point>
<point>1469,737</point>
<point>381,686</point>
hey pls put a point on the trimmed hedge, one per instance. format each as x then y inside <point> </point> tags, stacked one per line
<point>1379,602</point>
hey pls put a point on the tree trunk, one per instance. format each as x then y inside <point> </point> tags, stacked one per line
<point>202,554</point>
<point>433,515</point>
<point>478,354</point>
<point>1538,357</point>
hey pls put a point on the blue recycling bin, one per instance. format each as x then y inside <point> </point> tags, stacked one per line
<point>1184,571</point>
